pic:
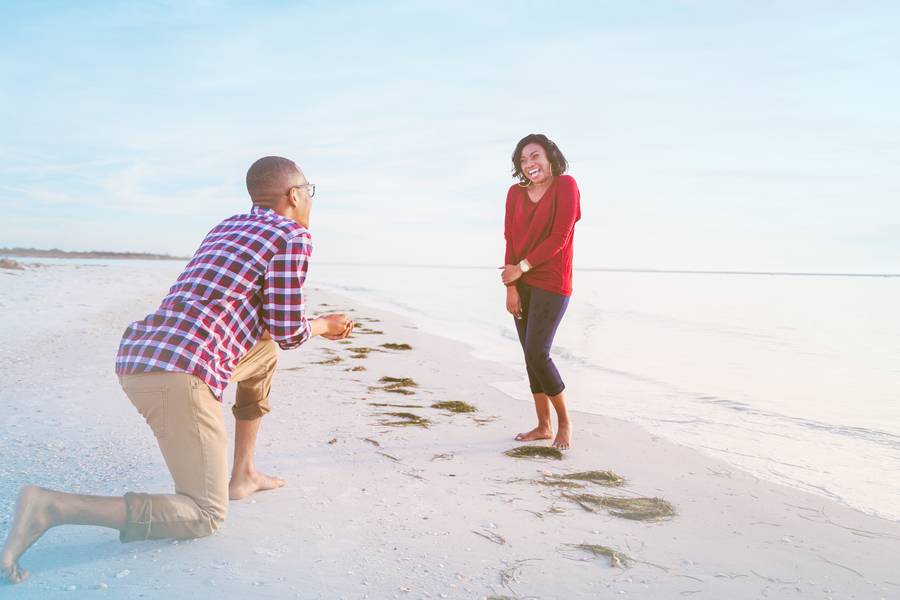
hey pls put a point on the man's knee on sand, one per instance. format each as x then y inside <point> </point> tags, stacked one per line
<point>140,523</point>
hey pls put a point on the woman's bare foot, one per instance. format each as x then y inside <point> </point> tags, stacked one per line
<point>34,510</point>
<point>243,485</point>
<point>563,437</point>
<point>538,433</point>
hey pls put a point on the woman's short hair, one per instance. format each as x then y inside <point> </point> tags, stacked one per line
<point>558,162</point>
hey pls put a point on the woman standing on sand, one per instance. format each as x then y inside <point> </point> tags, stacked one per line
<point>541,211</point>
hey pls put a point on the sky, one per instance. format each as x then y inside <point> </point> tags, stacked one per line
<point>720,135</point>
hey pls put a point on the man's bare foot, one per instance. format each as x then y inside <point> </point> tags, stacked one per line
<point>242,486</point>
<point>33,517</point>
<point>563,438</point>
<point>538,433</point>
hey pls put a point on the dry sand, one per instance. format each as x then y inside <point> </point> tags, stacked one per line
<point>373,510</point>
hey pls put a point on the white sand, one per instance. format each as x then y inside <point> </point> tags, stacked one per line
<point>401,519</point>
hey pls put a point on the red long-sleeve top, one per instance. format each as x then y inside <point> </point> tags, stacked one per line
<point>542,233</point>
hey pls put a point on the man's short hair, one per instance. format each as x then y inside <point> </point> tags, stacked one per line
<point>270,175</point>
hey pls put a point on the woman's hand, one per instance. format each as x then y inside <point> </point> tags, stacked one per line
<point>513,302</point>
<point>336,326</point>
<point>510,273</point>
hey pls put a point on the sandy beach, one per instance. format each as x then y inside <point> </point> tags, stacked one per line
<point>419,504</point>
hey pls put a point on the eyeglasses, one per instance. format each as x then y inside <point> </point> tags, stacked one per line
<point>310,188</point>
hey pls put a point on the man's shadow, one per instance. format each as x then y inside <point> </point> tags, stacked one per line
<point>69,548</point>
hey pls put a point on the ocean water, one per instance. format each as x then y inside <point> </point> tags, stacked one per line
<point>793,378</point>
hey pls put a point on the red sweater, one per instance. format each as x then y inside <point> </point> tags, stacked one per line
<point>542,233</point>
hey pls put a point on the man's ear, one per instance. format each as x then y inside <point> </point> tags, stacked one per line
<point>293,197</point>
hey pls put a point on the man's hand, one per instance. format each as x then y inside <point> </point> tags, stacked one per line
<point>265,335</point>
<point>335,326</point>
<point>513,302</point>
<point>510,273</point>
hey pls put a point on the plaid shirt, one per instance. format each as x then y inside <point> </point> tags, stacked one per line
<point>246,276</point>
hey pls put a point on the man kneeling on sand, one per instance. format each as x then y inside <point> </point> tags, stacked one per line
<point>238,296</point>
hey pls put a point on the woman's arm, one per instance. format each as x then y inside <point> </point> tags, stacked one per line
<point>567,212</point>
<point>507,228</point>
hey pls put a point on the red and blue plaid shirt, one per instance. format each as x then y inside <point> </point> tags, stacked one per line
<point>246,276</point>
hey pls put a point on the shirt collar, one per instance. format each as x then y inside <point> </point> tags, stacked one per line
<point>260,210</point>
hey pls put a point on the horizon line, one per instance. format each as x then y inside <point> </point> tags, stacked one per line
<point>19,252</point>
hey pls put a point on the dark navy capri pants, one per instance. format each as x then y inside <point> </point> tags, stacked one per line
<point>542,312</point>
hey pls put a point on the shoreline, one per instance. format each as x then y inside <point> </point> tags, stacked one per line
<point>428,512</point>
<point>517,377</point>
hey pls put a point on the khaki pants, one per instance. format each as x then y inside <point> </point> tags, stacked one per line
<point>187,420</point>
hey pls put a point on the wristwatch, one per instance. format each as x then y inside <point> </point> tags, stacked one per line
<point>524,266</point>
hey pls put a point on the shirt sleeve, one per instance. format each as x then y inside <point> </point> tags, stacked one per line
<point>507,229</point>
<point>284,314</point>
<point>568,211</point>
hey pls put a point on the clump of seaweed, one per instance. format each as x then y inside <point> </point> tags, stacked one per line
<point>616,558</point>
<point>559,483</point>
<point>387,404</point>
<point>392,346</point>
<point>398,390</point>
<point>330,361</point>
<point>535,452</point>
<point>367,330</point>
<point>363,351</point>
<point>404,381</point>
<point>405,419</point>
<point>636,509</point>
<point>456,406</point>
<point>607,478</point>
<point>396,385</point>
<point>356,368</point>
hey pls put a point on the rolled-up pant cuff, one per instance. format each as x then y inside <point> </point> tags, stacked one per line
<point>138,508</point>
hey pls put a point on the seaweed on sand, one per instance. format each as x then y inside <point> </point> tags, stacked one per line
<point>636,509</point>
<point>616,558</point>
<point>404,381</point>
<point>405,419</point>
<point>330,361</point>
<point>362,351</point>
<point>392,346</point>
<point>386,404</point>
<point>456,406</point>
<point>356,368</point>
<point>535,452</point>
<point>558,483</point>
<point>367,330</point>
<point>607,478</point>
<point>398,390</point>
<point>396,385</point>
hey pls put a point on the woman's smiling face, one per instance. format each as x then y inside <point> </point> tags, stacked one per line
<point>535,164</point>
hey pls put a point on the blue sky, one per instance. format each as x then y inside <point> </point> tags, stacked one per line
<point>703,135</point>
